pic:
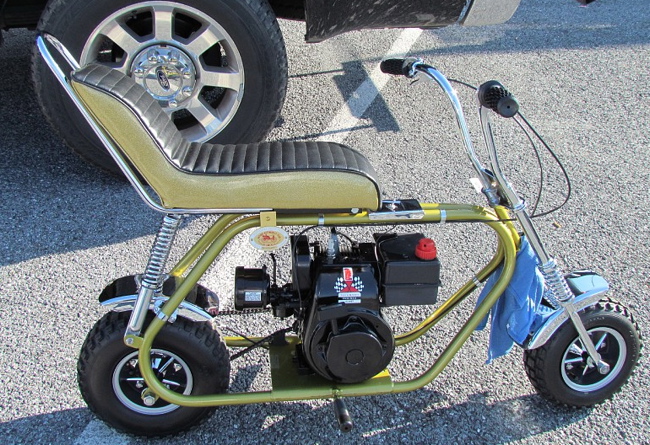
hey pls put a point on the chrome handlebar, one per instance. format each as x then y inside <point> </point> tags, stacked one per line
<point>492,96</point>
<point>410,68</point>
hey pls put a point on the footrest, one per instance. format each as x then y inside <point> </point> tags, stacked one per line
<point>285,376</point>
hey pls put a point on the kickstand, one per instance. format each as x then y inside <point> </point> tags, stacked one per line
<point>343,415</point>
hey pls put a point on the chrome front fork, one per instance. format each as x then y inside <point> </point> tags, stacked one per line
<point>557,292</point>
<point>153,277</point>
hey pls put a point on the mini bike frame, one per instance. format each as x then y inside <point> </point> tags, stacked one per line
<point>287,383</point>
<point>567,296</point>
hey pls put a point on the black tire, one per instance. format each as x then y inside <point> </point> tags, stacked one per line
<point>561,371</point>
<point>250,47</point>
<point>199,364</point>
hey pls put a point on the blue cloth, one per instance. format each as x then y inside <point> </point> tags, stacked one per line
<point>515,312</point>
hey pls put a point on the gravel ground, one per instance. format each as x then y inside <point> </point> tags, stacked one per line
<point>581,75</point>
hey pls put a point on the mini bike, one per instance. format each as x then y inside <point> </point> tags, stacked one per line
<point>155,364</point>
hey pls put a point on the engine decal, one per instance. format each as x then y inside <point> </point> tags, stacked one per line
<point>349,287</point>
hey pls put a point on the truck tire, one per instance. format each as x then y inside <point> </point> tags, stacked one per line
<point>218,67</point>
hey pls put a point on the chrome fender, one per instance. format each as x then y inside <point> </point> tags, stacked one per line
<point>588,288</point>
<point>120,296</point>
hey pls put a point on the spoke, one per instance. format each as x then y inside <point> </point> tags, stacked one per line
<point>575,349</point>
<point>601,341</point>
<point>170,382</point>
<point>169,362</point>
<point>155,363</point>
<point>202,40</point>
<point>204,114</point>
<point>163,19</point>
<point>573,360</point>
<point>222,78</point>
<point>122,36</point>
<point>135,379</point>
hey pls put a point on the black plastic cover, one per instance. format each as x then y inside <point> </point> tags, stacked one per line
<point>406,279</point>
<point>251,288</point>
<point>301,263</point>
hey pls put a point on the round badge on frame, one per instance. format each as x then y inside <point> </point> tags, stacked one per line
<point>269,238</point>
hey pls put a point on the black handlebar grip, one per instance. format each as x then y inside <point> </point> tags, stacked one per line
<point>395,67</point>
<point>494,96</point>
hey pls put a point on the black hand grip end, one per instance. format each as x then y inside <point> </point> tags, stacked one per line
<point>393,66</point>
<point>494,96</point>
<point>508,106</point>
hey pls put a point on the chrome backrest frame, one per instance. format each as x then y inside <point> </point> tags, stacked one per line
<point>152,201</point>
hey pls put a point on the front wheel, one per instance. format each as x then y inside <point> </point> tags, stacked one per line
<point>562,371</point>
<point>187,357</point>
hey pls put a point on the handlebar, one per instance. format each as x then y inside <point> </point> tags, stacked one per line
<point>394,67</point>
<point>399,67</point>
<point>497,98</point>
<point>492,94</point>
<point>409,68</point>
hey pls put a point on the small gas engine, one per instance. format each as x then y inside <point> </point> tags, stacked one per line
<point>337,294</point>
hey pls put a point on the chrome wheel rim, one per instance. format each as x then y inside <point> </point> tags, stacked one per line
<point>170,369</point>
<point>580,373</point>
<point>181,56</point>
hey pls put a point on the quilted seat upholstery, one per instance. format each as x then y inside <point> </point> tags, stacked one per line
<point>278,175</point>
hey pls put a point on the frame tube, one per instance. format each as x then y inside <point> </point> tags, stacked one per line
<point>202,245</point>
<point>452,301</point>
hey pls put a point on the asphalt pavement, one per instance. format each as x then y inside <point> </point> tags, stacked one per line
<point>581,76</point>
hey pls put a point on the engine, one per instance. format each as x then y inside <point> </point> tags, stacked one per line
<point>337,294</point>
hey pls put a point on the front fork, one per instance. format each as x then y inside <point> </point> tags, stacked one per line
<point>497,189</point>
<point>557,292</point>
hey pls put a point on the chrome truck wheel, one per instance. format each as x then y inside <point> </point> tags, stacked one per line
<point>218,67</point>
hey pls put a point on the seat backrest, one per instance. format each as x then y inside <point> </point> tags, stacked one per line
<point>131,117</point>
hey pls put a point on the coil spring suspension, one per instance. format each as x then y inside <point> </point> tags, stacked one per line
<point>557,289</point>
<point>152,277</point>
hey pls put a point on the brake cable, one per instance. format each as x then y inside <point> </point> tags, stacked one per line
<point>534,213</point>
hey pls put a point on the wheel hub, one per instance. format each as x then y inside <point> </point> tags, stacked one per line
<point>581,373</point>
<point>129,386</point>
<point>167,73</point>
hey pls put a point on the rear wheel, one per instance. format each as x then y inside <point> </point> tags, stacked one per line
<point>187,357</point>
<point>218,67</point>
<point>562,371</point>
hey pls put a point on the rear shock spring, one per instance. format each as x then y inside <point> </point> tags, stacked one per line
<point>152,278</point>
